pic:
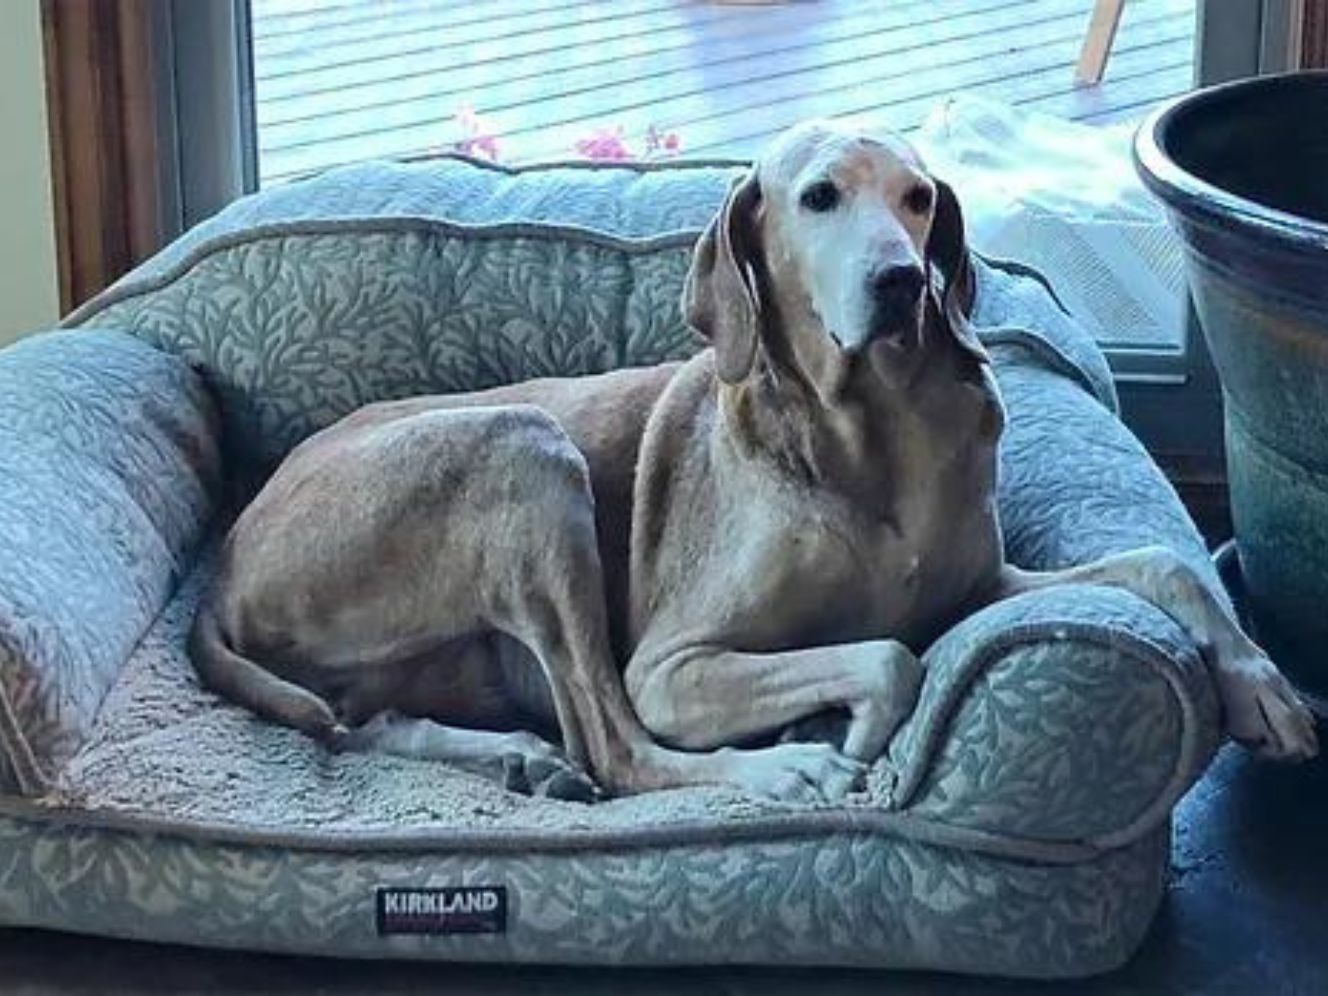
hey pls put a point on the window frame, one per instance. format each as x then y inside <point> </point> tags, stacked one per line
<point>213,86</point>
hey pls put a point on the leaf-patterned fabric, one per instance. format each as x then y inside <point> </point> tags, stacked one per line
<point>108,473</point>
<point>1018,824</point>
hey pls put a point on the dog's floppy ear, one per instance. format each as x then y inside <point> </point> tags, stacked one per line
<point>721,299</point>
<point>947,252</point>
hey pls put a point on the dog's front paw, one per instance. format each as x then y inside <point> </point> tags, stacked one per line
<point>892,683</point>
<point>793,772</point>
<point>1263,712</point>
<point>533,766</point>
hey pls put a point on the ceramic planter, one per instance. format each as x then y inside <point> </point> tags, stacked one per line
<point>1243,171</point>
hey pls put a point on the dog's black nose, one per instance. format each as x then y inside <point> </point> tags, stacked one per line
<point>896,290</point>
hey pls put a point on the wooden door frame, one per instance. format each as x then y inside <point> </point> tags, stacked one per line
<point>111,127</point>
<point>1309,41</point>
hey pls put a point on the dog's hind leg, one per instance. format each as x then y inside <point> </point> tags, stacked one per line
<point>443,528</point>
<point>486,518</point>
<point>522,761</point>
<point>1261,708</point>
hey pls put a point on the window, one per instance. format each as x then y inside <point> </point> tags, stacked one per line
<point>353,79</point>
<point>267,91</point>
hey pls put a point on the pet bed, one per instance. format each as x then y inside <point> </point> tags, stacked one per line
<point>1018,825</point>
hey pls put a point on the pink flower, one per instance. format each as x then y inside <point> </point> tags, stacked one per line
<point>660,143</point>
<point>482,147</point>
<point>605,145</point>
<point>478,138</point>
<point>609,144</point>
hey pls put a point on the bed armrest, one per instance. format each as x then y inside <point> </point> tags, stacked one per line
<point>109,471</point>
<point>1076,714</point>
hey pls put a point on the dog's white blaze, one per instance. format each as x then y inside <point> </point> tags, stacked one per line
<point>838,264</point>
<point>844,247</point>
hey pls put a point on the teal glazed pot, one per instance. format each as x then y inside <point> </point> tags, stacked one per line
<point>1243,171</point>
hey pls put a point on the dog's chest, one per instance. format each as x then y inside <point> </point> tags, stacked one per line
<point>827,573</point>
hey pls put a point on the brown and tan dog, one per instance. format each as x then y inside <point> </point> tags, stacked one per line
<point>665,564</point>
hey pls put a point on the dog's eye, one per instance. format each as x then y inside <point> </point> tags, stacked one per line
<point>918,199</point>
<point>820,196</point>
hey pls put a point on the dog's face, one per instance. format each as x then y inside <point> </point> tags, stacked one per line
<point>826,252</point>
<point>846,218</point>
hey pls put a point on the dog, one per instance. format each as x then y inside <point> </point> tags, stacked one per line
<point>665,567</point>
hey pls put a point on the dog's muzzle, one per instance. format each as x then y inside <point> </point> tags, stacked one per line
<point>896,295</point>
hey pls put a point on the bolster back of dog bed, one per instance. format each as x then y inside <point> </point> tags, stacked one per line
<point>386,280</point>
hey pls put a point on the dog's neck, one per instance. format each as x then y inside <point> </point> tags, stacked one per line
<point>871,440</point>
<point>777,416</point>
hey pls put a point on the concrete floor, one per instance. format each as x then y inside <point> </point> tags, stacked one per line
<point>1247,914</point>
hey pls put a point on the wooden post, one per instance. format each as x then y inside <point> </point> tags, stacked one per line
<point>1097,43</point>
<point>1312,35</point>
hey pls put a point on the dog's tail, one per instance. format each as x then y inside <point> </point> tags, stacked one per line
<point>241,680</point>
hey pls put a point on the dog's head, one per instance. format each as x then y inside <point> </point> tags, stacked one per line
<point>837,245</point>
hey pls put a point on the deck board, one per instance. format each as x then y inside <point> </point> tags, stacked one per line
<point>495,84</point>
<point>594,90</point>
<point>438,25</point>
<point>338,82</point>
<point>1041,83</point>
<point>280,19</point>
<point>474,41</point>
<point>684,23</point>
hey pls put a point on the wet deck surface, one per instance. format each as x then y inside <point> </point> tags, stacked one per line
<point>343,80</point>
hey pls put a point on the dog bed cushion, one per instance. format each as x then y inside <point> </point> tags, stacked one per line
<point>1017,825</point>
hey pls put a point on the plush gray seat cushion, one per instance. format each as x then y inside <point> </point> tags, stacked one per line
<point>1017,825</point>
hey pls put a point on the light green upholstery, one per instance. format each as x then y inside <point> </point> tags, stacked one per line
<point>1018,825</point>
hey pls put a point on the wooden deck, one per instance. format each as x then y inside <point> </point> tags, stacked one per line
<point>342,80</point>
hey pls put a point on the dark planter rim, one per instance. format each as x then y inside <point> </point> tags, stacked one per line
<point>1197,200</point>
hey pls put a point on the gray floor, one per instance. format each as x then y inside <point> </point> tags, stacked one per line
<point>1247,913</point>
